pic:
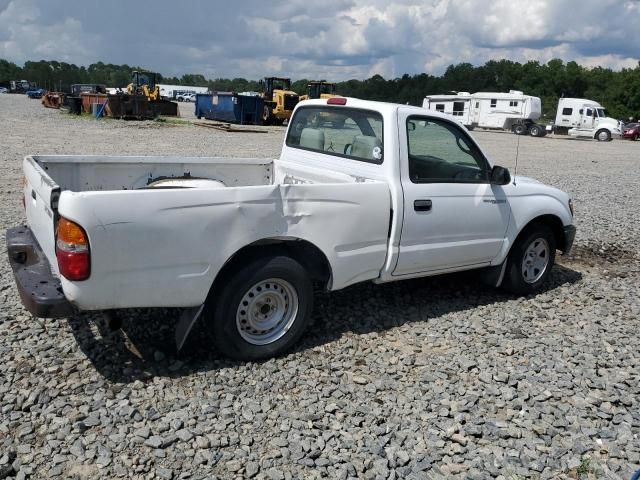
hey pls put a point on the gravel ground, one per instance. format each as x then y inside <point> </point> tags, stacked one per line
<point>430,378</point>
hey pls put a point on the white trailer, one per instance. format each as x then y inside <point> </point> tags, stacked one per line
<point>579,117</point>
<point>513,111</point>
<point>170,91</point>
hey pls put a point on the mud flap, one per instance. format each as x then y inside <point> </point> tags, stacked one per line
<point>493,276</point>
<point>185,324</point>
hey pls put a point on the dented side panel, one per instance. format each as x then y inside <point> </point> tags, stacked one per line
<point>164,248</point>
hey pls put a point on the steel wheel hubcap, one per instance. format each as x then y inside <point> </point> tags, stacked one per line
<point>267,311</point>
<point>603,136</point>
<point>535,261</point>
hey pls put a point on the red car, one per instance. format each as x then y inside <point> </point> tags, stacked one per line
<point>631,130</point>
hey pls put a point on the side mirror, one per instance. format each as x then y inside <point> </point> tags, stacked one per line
<point>411,126</point>
<point>499,176</point>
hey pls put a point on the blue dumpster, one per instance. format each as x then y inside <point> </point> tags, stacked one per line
<point>229,107</point>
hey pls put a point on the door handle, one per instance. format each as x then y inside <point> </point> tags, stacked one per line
<point>422,205</point>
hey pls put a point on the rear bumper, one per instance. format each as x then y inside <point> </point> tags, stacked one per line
<point>40,291</point>
<point>569,236</point>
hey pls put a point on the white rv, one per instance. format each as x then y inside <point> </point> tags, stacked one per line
<point>579,117</point>
<point>513,111</point>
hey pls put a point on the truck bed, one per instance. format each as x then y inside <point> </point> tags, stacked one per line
<point>162,247</point>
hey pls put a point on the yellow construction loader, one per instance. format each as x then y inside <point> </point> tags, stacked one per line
<point>279,100</point>
<point>323,89</point>
<point>144,84</point>
<point>319,89</point>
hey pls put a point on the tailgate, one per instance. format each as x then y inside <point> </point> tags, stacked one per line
<point>41,197</point>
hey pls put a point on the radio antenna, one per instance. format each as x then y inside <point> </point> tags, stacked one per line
<point>515,169</point>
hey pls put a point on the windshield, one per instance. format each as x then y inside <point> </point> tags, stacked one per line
<point>601,112</point>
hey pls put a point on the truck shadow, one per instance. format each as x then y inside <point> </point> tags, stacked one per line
<point>144,347</point>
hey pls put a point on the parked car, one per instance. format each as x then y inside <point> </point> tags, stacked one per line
<point>631,131</point>
<point>35,93</point>
<point>395,192</point>
<point>186,97</point>
<point>4,90</point>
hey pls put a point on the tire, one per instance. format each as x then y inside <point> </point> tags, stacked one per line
<point>636,136</point>
<point>266,115</point>
<point>527,269</point>
<point>535,131</point>
<point>603,135</point>
<point>519,129</point>
<point>241,307</point>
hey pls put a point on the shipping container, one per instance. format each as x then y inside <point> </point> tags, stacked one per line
<point>230,107</point>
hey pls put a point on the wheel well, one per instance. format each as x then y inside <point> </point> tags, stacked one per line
<point>554,223</point>
<point>306,253</point>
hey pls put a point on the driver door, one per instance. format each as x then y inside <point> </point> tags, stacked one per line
<point>587,117</point>
<point>453,216</point>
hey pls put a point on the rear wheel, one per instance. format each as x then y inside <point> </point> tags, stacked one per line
<point>603,135</point>
<point>535,131</point>
<point>262,309</point>
<point>530,260</point>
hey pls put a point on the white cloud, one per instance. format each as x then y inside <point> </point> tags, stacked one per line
<point>333,39</point>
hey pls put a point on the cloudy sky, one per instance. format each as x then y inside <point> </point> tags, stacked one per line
<point>333,39</point>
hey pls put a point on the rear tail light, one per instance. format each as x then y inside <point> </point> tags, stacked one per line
<point>72,251</point>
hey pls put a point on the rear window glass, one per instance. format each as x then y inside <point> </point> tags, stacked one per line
<point>339,131</point>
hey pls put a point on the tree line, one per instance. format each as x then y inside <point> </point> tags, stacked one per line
<point>618,91</point>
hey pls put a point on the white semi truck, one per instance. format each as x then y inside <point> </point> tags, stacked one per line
<point>512,111</point>
<point>579,117</point>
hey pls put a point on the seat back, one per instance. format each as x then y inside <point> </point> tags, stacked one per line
<point>362,146</point>
<point>312,138</point>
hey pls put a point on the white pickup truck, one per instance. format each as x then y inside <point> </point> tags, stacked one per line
<point>363,191</point>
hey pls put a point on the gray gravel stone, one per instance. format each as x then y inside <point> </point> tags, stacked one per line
<point>421,379</point>
<point>154,441</point>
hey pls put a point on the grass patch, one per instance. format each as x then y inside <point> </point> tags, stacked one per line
<point>584,468</point>
<point>171,121</point>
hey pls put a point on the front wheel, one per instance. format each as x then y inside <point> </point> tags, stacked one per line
<point>603,135</point>
<point>530,260</point>
<point>266,115</point>
<point>262,309</point>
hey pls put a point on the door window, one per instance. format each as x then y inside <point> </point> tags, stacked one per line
<point>441,152</point>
